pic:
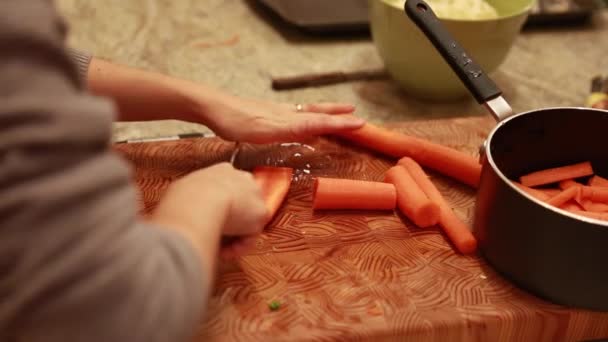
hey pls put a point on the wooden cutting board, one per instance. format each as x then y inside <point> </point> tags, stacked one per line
<point>345,275</point>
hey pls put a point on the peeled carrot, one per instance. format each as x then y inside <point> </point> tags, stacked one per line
<point>411,200</point>
<point>586,203</point>
<point>598,181</point>
<point>275,183</point>
<point>568,183</point>
<point>564,196</point>
<point>458,232</point>
<point>571,205</point>
<point>334,193</point>
<point>540,195</point>
<point>549,192</point>
<point>595,194</point>
<point>442,159</point>
<point>557,174</point>
<point>599,216</point>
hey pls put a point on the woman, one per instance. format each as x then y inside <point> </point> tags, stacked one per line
<point>77,264</point>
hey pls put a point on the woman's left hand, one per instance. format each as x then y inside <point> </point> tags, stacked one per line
<point>257,121</point>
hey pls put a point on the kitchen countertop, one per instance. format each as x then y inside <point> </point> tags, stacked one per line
<point>237,45</point>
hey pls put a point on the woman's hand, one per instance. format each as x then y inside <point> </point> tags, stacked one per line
<point>215,202</point>
<point>257,121</point>
<point>141,95</point>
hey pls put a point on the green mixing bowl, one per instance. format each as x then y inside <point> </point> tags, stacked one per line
<point>416,65</point>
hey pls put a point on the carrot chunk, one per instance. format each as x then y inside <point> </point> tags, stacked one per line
<point>540,195</point>
<point>595,194</point>
<point>275,183</point>
<point>334,193</point>
<point>456,230</point>
<point>599,216</point>
<point>445,160</point>
<point>411,200</point>
<point>557,174</point>
<point>564,196</point>
<point>598,181</point>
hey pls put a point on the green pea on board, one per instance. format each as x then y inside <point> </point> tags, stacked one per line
<point>274,305</point>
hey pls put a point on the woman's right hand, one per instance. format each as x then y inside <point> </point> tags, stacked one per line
<point>213,202</point>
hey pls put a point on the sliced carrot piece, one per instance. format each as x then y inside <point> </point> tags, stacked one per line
<point>599,216</point>
<point>571,205</point>
<point>275,183</point>
<point>411,200</point>
<point>457,231</point>
<point>598,181</point>
<point>445,160</point>
<point>568,183</point>
<point>334,193</point>
<point>564,196</point>
<point>557,174</point>
<point>595,194</point>
<point>538,194</point>
<point>586,203</point>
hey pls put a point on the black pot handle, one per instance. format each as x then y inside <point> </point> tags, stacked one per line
<point>469,72</point>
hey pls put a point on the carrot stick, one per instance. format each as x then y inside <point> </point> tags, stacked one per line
<point>275,183</point>
<point>549,192</point>
<point>445,160</point>
<point>458,232</point>
<point>411,200</point>
<point>538,194</point>
<point>334,193</point>
<point>586,203</point>
<point>557,174</point>
<point>568,183</point>
<point>595,207</point>
<point>595,194</point>
<point>572,205</point>
<point>598,181</point>
<point>564,196</point>
<point>599,216</point>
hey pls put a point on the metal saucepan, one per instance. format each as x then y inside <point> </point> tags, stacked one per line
<point>555,254</point>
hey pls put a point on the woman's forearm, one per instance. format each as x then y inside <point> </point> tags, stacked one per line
<point>141,95</point>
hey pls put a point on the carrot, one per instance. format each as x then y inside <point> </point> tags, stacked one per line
<point>549,191</point>
<point>598,181</point>
<point>564,196</point>
<point>599,216</point>
<point>557,174</point>
<point>275,183</point>
<point>538,194</point>
<point>571,205</point>
<point>445,160</point>
<point>595,207</point>
<point>568,183</point>
<point>458,232</point>
<point>334,193</point>
<point>586,203</point>
<point>594,193</point>
<point>411,200</point>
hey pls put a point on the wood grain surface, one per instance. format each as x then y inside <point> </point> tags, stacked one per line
<point>363,276</point>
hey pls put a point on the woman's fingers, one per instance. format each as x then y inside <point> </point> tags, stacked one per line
<point>322,108</point>
<point>310,124</point>
<point>329,108</point>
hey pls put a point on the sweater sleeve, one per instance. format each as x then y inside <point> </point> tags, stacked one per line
<point>82,60</point>
<point>76,264</point>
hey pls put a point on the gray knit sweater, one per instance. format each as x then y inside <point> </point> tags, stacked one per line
<point>76,264</point>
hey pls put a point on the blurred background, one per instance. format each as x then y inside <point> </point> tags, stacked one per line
<point>540,53</point>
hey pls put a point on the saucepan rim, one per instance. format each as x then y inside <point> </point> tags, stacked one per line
<point>490,161</point>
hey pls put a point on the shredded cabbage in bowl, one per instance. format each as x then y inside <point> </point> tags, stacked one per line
<point>460,9</point>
